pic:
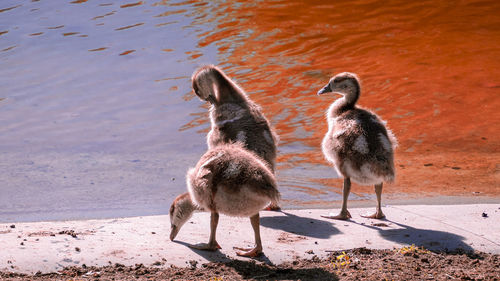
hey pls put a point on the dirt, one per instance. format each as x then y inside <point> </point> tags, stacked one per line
<point>408,263</point>
<point>286,237</point>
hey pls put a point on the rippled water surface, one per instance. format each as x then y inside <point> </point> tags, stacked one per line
<point>98,119</point>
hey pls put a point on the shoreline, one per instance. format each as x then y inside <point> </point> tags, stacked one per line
<point>390,199</point>
<point>287,235</point>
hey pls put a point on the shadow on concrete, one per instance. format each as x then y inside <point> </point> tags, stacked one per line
<point>218,256</point>
<point>434,240</point>
<point>300,225</point>
<point>214,256</point>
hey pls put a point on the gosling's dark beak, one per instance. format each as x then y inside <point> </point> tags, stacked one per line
<point>173,232</point>
<point>325,89</point>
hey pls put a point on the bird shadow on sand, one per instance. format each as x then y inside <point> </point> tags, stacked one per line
<point>218,256</point>
<point>265,270</point>
<point>434,240</point>
<point>214,256</point>
<point>300,225</point>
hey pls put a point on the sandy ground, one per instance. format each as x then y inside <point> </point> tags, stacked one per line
<point>295,241</point>
<point>407,263</point>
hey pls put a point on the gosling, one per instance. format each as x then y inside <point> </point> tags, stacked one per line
<point>234,116</point>
<point>357,143</point>
<point>230,180</point>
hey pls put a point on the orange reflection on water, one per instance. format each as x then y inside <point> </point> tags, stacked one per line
<point>8,9</point>
<point>98,49</point>
<point>126,52</point>
<point>428,68</point>
<point>8,48</point>
<point>129,26</point>
<point>105,15</point>
<point>132,4</point>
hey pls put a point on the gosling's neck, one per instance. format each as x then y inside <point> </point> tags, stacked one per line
<point>183,207</point>
<point>229,92</point>
<point>347,102</point>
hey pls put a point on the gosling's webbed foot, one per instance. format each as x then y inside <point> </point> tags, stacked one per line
<point>377,215</point>
<point>206,247</point>
<point>341,216</point>
<point>248,252</point>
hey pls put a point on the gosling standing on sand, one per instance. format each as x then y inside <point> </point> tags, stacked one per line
<point>231,180</point>
<point>357,142</point>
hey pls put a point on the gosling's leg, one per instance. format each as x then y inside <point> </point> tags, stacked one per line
<point>274,206</point>
<point>212,242</point>
<point>344,213</point>
<point>252,252</point>
<point>378,214</point>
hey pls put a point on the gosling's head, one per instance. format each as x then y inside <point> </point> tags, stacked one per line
<point>211,84</point>
<point>205,82</point>
<point>181,210</point>
<point>344,83</point>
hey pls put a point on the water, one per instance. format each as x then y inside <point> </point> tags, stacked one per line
<point>98,118</point>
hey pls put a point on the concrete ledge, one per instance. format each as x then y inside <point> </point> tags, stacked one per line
<point>50,246</point>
